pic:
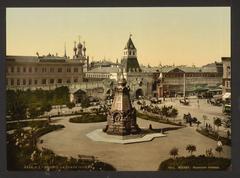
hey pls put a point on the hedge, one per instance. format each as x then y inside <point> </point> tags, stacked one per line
<point>157,119</point>
<point>88,118</point>
<point>225,141</point>
<point>195,163</point>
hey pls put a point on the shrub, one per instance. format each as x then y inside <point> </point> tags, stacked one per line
<point>88,118</point>
<point>70,105</point>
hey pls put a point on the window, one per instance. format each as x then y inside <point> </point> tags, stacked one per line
<point>75,80</point>
<point>68,81</point>
<point>30,81</point>
<point>44,69</point>
<point>51,69</point>
<point>35,81</point>
<point>51,81</point>
<point>44,81</point>
<point>12,81</point>
<point>129,52</point>
<point>68,69</point>
<point>59,69</point>
<point>133,53</point>
<point>24,82</point>
<point>59,81</point>
<point>75,69</point>
<point>24,69</point>
<point>12,69</point>
<point>18,81</point>
<point>30,70</point>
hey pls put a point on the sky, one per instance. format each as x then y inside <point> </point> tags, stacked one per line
<point>162,35</point>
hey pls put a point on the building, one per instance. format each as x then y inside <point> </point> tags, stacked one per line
<point>46,72</point>
<point>226,79</point>
<point>183,80</point>
<point>101,73</point>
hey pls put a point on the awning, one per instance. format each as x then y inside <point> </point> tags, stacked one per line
<point>226,96</point>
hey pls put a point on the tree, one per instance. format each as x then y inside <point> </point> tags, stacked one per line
<point>218,123</point>
<point>219,149</point>
<point>33,112</point>
<point>209,154</point>
<point>191,148</point>
<point>85,102</point>
<point>46,107</point>
<point>17,106</point>
<point>174,152</point>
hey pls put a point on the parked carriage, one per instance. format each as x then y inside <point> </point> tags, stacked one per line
<point>184,101</point>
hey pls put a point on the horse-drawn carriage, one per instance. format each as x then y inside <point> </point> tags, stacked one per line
<point>189,119</point>
<point>184,101</point>
<point>215,101</point>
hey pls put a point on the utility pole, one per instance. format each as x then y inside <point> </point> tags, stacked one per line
<point>184,85</point>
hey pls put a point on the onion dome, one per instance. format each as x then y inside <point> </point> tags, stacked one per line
<point>80,45</point>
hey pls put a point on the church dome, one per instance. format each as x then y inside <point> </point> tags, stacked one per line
<point>80,45</point>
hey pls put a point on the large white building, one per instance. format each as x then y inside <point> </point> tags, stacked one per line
<point>46,72</point>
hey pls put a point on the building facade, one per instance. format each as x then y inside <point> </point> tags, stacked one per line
<point>46,72</point>
<point>226,79</point>
<point>182,80</point>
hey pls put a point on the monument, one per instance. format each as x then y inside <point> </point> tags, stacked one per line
<point>121,119</point>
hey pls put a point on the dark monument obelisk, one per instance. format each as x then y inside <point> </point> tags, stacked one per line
<point>121,119</point>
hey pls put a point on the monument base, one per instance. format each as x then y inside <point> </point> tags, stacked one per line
<point>99,135</point>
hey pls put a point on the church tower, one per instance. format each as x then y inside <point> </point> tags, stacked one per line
<point>129,61</point>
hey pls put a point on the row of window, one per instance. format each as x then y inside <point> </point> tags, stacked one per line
<point>227,84</point>
<point>41,69</point>
<point>13,82</point>
<point>129,52</point>
<point>98,75</point>
<point>191,75</point>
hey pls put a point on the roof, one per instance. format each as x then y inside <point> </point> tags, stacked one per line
<point>22,58</point>
<point>112,69</point>
<point>36,59</point>
<point>129,44</point>
<point>186,69</point>
<point>130,63</point>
